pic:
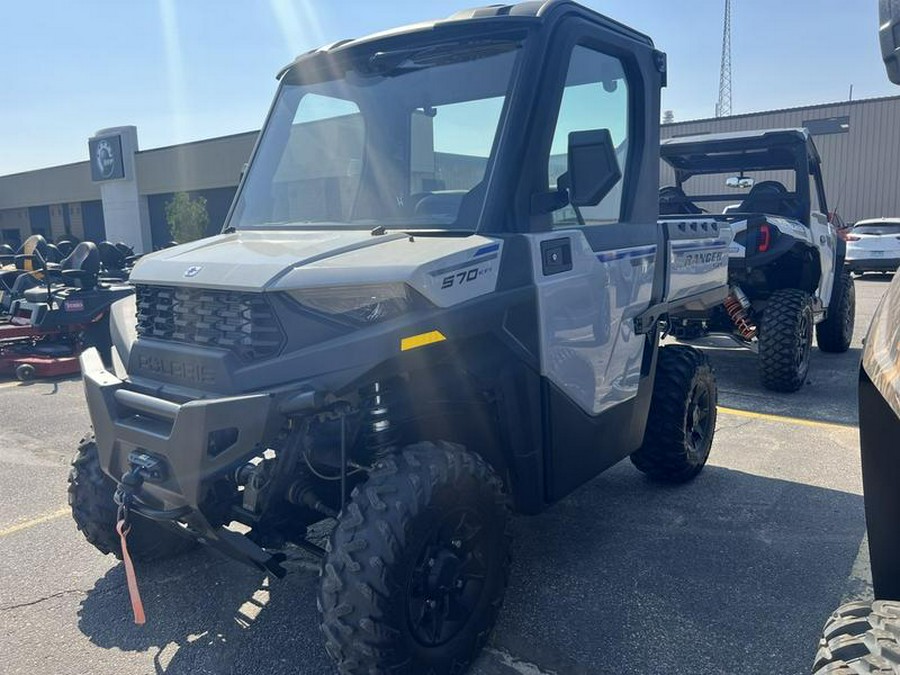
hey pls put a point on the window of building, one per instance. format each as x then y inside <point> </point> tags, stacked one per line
<point>829,125</point>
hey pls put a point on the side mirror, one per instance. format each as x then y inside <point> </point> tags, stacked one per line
<point>889,33</point>
<point>593,169</point>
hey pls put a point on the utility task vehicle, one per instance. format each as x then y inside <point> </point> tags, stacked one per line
<point>437,295</point>
<point>785,265</point>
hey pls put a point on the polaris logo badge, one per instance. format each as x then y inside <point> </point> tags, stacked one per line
<point>182,370</point>
<point>192,271</point>
<point>74,305</point>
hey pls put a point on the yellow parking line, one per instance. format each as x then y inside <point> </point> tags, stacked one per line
<point>25,524</point>
<point>9,385</point>
<point>784,420</point>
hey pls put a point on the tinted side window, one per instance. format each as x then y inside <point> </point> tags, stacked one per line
<point>595,97</point>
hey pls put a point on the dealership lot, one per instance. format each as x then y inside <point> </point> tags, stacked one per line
<point>733,573</point>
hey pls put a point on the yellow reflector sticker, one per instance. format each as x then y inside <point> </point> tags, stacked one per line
<point>421,340</point>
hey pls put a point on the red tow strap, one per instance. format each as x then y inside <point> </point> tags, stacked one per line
<point>133,592</point>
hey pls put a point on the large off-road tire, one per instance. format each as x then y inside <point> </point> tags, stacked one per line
<point>91,500</point>
<point>417,565</point>
<point>785,340</point>
<point>682,419</point>
<point>860,638</point>
<point>836,331</point>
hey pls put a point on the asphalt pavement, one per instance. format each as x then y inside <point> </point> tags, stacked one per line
<point>734,573</point>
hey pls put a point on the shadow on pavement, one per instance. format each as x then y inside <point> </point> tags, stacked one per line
<point>733,573</point>
<point>829,394</point>
<point>206,614</point>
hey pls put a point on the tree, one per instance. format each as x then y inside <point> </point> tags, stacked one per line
<point>668,117</point>
<point>187,218</point>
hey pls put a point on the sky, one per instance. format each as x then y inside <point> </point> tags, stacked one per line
<point>182,70</point>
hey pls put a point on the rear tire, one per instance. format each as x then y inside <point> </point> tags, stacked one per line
<point>417,566</point>
<point>785,340</point>
<point>860,637</point>
<point>95,513</point>
<point>682,419</point>
<point>834,334</point>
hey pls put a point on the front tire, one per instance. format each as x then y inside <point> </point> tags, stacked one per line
<point>95,513</point>
<point>417,566</point>
<point>860,637</point>
<point>682,419</point>
<point>834,334</point>
<point>785,340</point>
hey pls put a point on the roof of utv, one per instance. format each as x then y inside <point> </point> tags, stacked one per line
<point>490,16</point>
<point>757,150</point>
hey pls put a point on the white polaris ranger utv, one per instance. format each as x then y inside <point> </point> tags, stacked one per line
<point>437,296</point>
<point>786,263</point>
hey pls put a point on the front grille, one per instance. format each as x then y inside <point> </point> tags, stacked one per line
<point>241,322</point>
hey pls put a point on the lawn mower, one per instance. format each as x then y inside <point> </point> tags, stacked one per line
<point>63,310</point>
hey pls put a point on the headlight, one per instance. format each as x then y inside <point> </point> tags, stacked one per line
<point>359,304</point>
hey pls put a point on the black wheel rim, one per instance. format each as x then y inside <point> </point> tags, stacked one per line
<point>448,578</point>
<point>697,429</point>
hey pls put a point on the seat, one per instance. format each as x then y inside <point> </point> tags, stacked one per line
<point>84,258</point>
<point>440,204</point>
<point>111,256</point>
<point>31,248</point>
<point>66,245</point>
<point>770,196</point>
<point>674,202</point>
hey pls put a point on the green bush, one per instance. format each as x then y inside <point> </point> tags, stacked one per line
<point>187,218</point>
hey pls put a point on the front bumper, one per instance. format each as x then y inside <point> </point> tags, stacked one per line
<point>190,446</point>
<point>872,264</point>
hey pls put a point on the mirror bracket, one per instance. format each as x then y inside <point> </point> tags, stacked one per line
<point>549,201</point>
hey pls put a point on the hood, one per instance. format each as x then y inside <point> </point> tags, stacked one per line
<point>249,260</point>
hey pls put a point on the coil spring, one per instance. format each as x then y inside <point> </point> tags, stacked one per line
<point>380,431</point>
<point>738,316</point>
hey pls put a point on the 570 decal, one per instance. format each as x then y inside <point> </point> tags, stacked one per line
<point>463,276</point>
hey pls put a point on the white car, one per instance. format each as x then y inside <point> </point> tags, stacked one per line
<point>874,246</point>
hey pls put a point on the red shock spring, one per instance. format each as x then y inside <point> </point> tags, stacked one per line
<point>738,315</point>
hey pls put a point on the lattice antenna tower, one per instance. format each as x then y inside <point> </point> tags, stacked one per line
<point>723,107</point>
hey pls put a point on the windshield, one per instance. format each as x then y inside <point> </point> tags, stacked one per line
<point>400,139</point>
<point>877,228</point>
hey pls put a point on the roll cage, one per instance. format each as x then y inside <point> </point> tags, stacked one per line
<point>780,150</point>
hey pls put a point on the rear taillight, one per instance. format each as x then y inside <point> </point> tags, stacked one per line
<point>764,240</point>
<point>852,237</point>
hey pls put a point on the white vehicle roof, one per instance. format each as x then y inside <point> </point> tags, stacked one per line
<point>877,221</point>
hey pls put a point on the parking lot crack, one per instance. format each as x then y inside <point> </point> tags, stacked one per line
<point>37,601</point>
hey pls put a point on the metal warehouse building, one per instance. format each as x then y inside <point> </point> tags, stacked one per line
<point>120,191</point>
<point>859,142</point>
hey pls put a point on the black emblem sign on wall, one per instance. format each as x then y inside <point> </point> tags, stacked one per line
<point>106,158</point>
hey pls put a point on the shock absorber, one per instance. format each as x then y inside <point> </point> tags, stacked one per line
<point>379,430</point>
<point>736,305</point>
